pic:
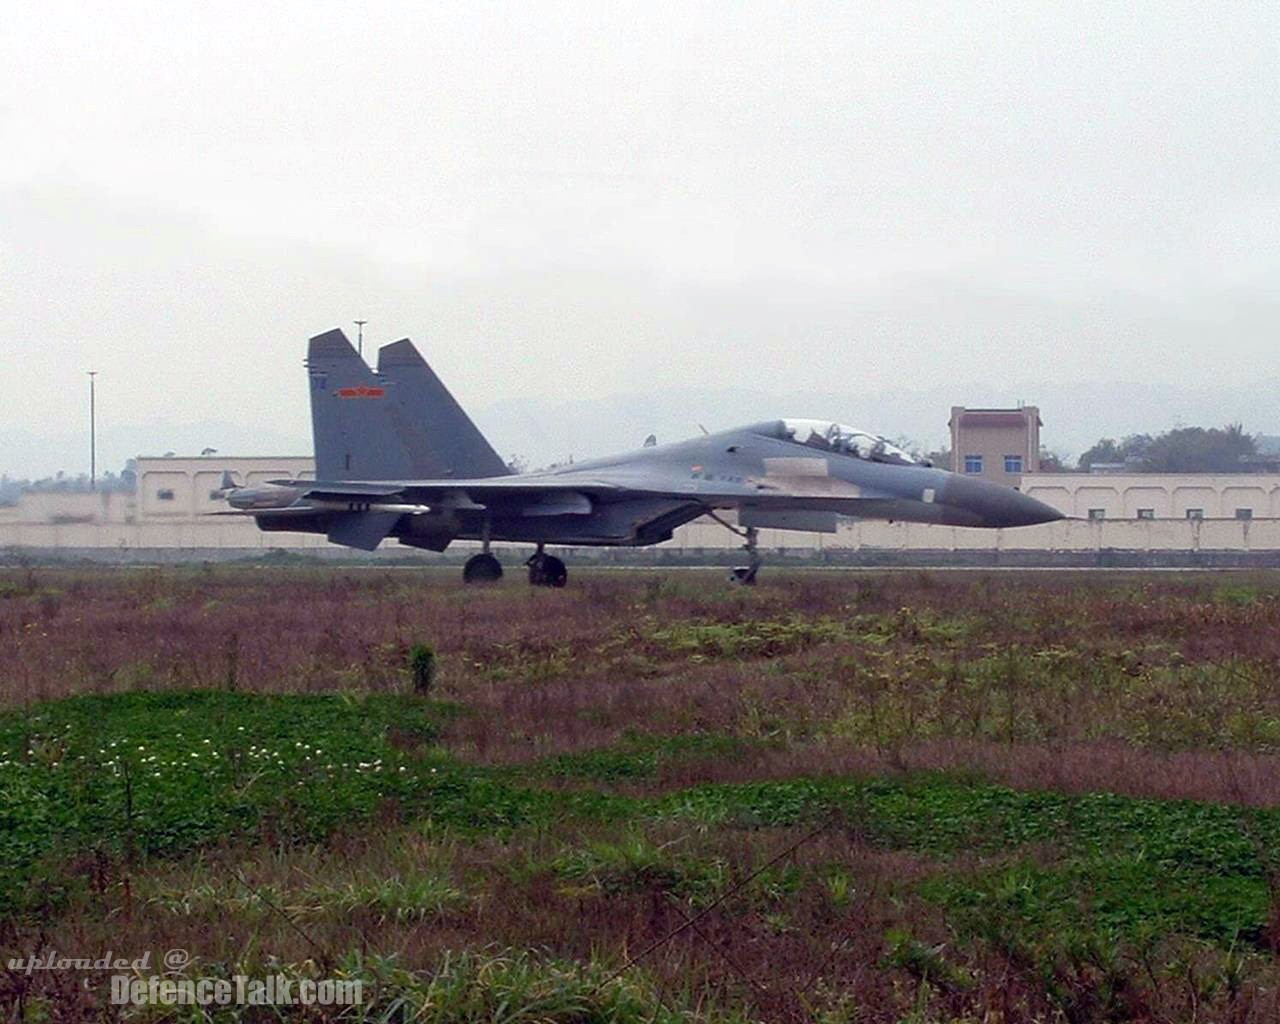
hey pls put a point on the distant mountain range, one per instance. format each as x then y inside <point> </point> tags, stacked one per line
<point>546,430</point>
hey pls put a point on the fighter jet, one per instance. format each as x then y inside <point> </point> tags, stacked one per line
<point>397,457</point>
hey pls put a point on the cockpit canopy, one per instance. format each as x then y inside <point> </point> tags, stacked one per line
<point>836,437</point>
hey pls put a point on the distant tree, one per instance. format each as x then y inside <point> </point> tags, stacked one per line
<point>1053,462</point>
<point>941,458</point>
<point>914,448</point>
<point>1181,450</point>
<point>1134,446</point>
<point>1105,450</point>
<point>62,483</point>
<point>1197,450</point>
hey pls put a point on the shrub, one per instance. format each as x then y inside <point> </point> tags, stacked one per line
<point>422,666</point>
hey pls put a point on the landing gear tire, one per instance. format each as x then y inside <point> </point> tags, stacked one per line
<point>744,575</point>
<point>482,569</point>
<point>547,571</point>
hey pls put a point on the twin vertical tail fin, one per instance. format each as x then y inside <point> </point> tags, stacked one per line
<point>400,423</point>
<point>443,434</point>
<point>352,422</point>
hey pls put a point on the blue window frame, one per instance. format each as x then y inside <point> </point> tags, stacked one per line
<point>1013,463</point>
<point>973,463</point>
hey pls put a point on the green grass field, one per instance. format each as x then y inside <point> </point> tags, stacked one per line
<point>883,797</point>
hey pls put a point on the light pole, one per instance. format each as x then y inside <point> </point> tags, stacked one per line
<point>360,335</point>
<point>93,431</point>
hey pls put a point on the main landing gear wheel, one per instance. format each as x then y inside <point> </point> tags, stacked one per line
<point>546,571</point>
<point>482,568</point>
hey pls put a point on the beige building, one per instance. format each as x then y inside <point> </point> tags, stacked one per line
<point>171,488</point>
<point>995,444</point>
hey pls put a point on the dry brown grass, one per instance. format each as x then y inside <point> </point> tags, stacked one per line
<point>1153,686</point>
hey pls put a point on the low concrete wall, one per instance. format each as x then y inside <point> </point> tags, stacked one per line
<point>218,532</point>
<point>1065,535</point>
<point>1106,543</point>
<point>666,557</point>
<point>1167,495</point>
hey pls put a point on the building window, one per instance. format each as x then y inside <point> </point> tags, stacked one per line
<point>973,463</point>
<point>1244,513</point>
<point>165,495</point>
<point>1013,463</point>
<point>1146,513</point>
<point>1195,513</point>
<point>1097,513</point>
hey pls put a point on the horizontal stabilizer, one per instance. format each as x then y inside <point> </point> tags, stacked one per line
<point>363,530</point>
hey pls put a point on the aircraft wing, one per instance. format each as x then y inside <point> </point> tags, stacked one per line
<point>563,493</point>
<point>361,513</point>
<point>478,493</point>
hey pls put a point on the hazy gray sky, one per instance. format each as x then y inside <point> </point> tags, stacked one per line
<point>593,198</point>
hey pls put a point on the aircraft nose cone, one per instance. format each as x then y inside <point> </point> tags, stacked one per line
<point>996,504</point>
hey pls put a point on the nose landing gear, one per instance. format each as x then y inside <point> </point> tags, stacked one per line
<point>546,570</point>
<point>743,574</point>
<point>746,574</point>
